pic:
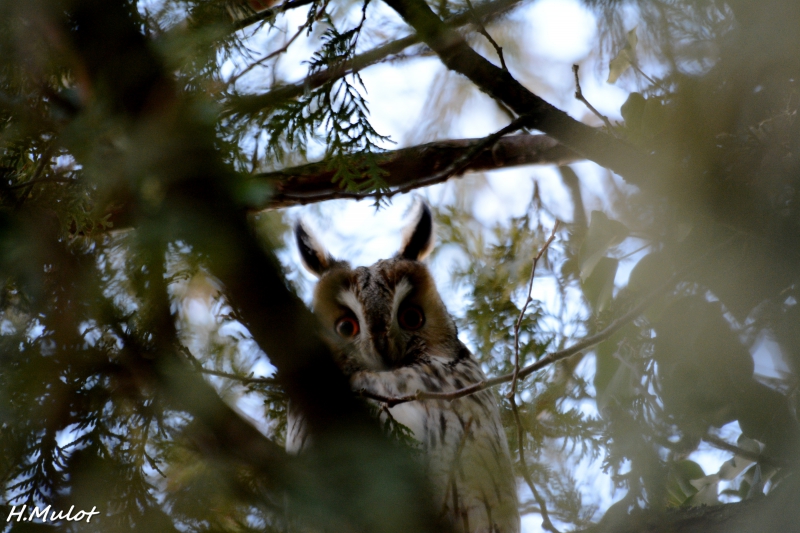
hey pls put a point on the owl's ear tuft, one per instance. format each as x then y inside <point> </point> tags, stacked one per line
<point>418,237</point>
<point>315,257</point>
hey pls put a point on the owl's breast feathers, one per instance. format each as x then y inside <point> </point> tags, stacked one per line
<point>464,443</point>
<point>391,333</point>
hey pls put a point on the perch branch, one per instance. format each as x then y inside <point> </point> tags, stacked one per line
<point>243,379</point>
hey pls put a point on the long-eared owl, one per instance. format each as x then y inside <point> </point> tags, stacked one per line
<point>392,335</point>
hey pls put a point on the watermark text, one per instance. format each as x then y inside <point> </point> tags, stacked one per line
<point>42,514</point>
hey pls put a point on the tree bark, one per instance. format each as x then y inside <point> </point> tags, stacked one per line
<point>412,166</point>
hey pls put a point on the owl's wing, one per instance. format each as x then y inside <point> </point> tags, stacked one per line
<point>297,437</point>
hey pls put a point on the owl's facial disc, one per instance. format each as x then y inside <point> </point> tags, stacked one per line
<point>377,319</point>
<point>384,316</point>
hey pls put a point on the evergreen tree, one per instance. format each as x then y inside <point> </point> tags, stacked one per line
<point>140,174</point>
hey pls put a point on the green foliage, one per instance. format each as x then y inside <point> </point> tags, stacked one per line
<point>335,114</point>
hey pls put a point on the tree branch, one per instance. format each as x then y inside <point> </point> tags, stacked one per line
<point>414,167</point>
<point>251,104</point>
<point>456,54</point>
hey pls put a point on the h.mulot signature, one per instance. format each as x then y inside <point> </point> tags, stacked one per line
<point>35,513</point>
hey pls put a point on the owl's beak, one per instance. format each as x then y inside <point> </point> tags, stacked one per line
<point>383,348</point>
<point>381,342</point>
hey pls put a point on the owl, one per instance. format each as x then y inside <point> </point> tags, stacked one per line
<point>391,334</point>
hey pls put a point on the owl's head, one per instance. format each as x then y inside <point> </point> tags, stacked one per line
<point>386,315</point>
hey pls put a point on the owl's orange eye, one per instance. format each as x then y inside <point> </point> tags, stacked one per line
<point>411,318</point>
<point>347,327</point>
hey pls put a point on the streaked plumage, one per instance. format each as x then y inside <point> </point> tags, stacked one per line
<point>392,335</point>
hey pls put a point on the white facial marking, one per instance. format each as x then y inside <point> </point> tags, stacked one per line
<point>400,292</point>
<point>349,300</point>
<point>370,361</point>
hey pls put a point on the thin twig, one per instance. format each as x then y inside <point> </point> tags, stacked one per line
<point>37,175</point>
<point>546,523</point>
<point>636,251</point>
<point>487,142</point>
<point>463,162</point>
<point>482,31</point>
<point>306,25</point>
<point>528,300</point>
<point>233,79</point>
<point>579,96</point>
<point>640,71</point>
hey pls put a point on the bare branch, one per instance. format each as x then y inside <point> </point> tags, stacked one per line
<point>199,367</point>
<point>528,300</point>
<point>549,359</point>
<point>406,169</point>
<point>32,182</point>
<point>411,168</point>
